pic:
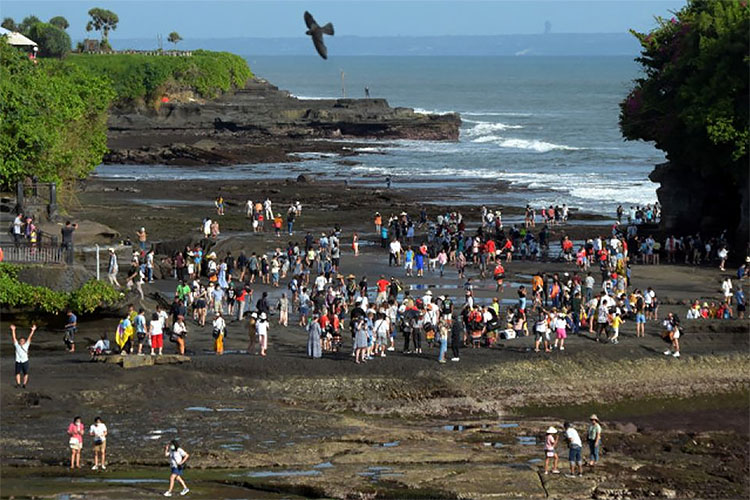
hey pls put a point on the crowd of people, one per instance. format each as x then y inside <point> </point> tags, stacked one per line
<point>551,306</point>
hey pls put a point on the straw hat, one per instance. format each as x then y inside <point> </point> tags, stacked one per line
<point>594,417</point>
<point>551,430</point>
<point>428,292</point>
<point>263,316</point>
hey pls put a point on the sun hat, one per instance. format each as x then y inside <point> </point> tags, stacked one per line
<point>551,430</point>
<point>428,292</point>
<point>263,316</point>
<point>254,315</point>
<point>594,417</point>
<point>110,249</point>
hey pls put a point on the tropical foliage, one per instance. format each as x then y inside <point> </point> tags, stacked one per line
<point>692,101</point>
<point>140,77</point>
<point>54,118</point>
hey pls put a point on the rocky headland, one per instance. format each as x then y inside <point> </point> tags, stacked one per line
<point>260,123</point>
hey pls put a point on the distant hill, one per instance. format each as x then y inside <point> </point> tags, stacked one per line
<point>551,44</point>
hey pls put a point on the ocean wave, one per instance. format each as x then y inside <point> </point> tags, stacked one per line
<point>530,144</point>
<point>423,111</point>
<point>314,98</point>
<point>487,128</point>
<point>443,172</point>
<point>494,113</point>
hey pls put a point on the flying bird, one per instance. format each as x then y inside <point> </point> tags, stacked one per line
<point>316,32</point>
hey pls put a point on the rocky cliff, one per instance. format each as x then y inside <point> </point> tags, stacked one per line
<point>260,123</point>
<point>702,201</point>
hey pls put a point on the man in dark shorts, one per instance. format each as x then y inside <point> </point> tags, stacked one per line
<point>71,327</point>
<point>22,355</point>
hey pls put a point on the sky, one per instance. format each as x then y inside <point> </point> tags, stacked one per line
<point>283,18</point>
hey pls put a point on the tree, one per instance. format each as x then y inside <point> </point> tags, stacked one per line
<point>54,119</point>
<point>9,24</point>
<point>102,20</point>
<point>27,23</point>
<point>692,102</point>
<point>52,41</point>
<point>60,22</point>
<point>174,37</point>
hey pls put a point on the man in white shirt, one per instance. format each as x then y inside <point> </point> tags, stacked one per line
<point>395,253</point>
<point>22,355</point>
<point>99,431</point>
<point>574,450</point>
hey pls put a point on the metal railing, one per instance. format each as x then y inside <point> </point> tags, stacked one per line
<point>38,254</point>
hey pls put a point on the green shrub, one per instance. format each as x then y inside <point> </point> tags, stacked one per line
<point>140,77</point>
<point>13,293</point>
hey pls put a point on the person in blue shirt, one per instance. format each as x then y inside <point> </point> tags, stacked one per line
<point>739,299</point>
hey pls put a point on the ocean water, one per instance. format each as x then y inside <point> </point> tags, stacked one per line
<point>547,125</point>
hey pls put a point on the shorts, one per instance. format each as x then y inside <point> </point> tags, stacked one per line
<point>22,368</point>
<point>141,337</point>
<point>574,455</point>
<point>561,333</point>
<point>177,471</point>
<point>69,337</point>
<point>157,341</point>
<point>99,446</point>
<point>676,335</point>
<point>740,307</point>
<point>200,304</point>
<point>640,318</point>
<point>549,453</point>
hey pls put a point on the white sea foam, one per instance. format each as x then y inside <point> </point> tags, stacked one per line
<point>487,128</point>
<point>494,113</point>
<point>423,111</point>
<point>531,144</point>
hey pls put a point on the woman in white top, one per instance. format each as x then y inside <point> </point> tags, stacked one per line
<point>177,458</point>
<point>179,331</point>
<point>219,329</point>
<point>99,431</point>
<point>261,328</point>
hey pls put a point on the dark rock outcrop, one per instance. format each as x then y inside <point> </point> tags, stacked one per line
<point>694,201</point>
<point>260,123</point>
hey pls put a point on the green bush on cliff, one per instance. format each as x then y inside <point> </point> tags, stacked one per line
<point>693,99</point>
<point>53,122</point>
<point>140,77</point>
<point>14,293</point>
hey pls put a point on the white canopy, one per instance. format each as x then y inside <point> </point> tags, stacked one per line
<point>15,38</point>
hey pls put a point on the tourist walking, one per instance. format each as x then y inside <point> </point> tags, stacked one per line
<point>262,328</point>
<point>113,268</point>
<point>177,458</point>
<point>314,332</point>
<point>550,452</point>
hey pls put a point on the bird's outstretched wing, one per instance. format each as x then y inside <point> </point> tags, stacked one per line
<point>319,45</point>
<point>310,21</point>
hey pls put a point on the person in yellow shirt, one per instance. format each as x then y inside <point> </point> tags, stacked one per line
<point>616,322</point>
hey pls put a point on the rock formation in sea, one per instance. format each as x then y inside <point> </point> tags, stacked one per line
<point>260,123</point>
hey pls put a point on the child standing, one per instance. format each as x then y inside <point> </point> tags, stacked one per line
<point>550,443</point>
<point>616,322</point>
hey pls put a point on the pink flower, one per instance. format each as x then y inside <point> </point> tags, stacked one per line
<point>673,21</point>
